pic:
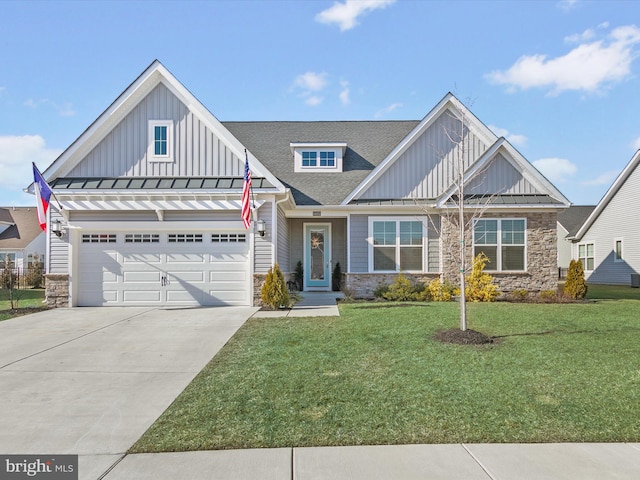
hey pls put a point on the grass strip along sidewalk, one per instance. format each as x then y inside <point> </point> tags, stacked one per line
<point>375,375</point>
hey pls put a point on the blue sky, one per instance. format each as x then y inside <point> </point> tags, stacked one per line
<point>559,79</point>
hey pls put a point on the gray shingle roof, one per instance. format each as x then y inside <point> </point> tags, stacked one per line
<point>368,144</point>
<point>24,229</point>
<point>574,217</point>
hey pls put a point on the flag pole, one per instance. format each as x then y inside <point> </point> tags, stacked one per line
<point>52,193</point>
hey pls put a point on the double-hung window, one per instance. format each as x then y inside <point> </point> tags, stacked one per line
<point>397,245</point>
<point>617,253</point>
<point>502,241</point>
<point>160,147</point>
<point>586,255</point>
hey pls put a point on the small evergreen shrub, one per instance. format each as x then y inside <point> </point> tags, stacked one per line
<point>440,291</point>
<point>274,292</point>
<point>480,286</point>
<point>336,278</point>
<point>575,286</point>
<point>35,274</point>
<point>519,295</point>
<point>298,275</point>
<point>548,296</point>
<point>404,290</point>
<point>381,290</point>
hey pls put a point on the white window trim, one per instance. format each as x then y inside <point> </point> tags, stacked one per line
<point>371,247</point>
<point>615,255</point>
<point>151,141</point>
<point>499,244</point>
<point>584,264</point>
<point>337,148</point>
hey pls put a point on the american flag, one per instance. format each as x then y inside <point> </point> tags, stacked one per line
<point>246,193</point>
<point>43,197</point>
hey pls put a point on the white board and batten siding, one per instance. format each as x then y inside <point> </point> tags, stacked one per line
<point>197,151</point>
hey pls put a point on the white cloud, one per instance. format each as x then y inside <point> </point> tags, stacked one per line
<point>64,110</point>
<point>514,138</point>
<point>309,84</point>
<point>346,14</point>
<point>588,34</point>
<point>605,178</point>
<point>313,100</point>
<point>556,169</point>
<point>567,5</point>
<point>344,93</point>
<point>311,81</point>
<point>388,109</point>
<point>636,144</point>
<point>16,155</point>
<point>589,67</point>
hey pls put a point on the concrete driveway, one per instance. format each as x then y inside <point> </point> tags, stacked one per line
<point>90,381</point>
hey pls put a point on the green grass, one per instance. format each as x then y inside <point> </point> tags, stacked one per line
<point>614,292</point>
<point>29,300</point>
<point>559,373</point>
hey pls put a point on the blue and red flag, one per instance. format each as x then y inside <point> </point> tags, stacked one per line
<point>246,193</point>
<point>43,196</point>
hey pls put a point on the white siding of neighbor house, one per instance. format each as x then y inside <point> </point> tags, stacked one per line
<point>196,150</point>
<point>564,247</point>
<point>428,166</point>
<point>618,220</point>
<point>500,177</point>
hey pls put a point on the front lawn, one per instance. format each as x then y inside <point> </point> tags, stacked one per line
<point>28,300</point>
<point>557,373</point>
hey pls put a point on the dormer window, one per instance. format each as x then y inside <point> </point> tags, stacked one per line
<point>318,157</point>
<point>160,147</point>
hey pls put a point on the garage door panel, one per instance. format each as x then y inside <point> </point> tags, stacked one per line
<point>142,276</point>
<point>142,296</point>
<point>210,272</point>
<point>142,258</point>
<point>185,258</point>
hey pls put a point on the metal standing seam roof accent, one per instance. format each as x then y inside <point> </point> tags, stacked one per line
<point>156,183</point>
<point>508,199</point>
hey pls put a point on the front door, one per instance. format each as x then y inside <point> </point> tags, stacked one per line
<point>317,256</point>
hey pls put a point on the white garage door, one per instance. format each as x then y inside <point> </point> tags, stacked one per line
<point>163,269</point>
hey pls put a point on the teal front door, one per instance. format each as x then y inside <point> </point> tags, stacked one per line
<point>317,256</point>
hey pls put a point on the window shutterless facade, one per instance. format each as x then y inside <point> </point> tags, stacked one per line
<point>617,250</point>
<point>396,245</point>
<point>160,148</point>
<point>586,255</point>
<point>503,241</point>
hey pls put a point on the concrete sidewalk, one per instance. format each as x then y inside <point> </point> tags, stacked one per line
<point>311,304</point>
<point>404,462</point>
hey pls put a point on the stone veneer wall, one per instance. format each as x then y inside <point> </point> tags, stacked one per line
<point>541,248</point>
<point>541,274</point>
<point>56,290</point>
<point>363,284</point>
<point>258,282</point>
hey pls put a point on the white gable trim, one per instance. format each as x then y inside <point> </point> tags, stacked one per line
<point>515,158</point>
<point>155,74</point>
<point>448,103</point>
<point>606,199</point>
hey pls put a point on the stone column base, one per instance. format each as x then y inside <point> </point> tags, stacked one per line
<point>56,290</point>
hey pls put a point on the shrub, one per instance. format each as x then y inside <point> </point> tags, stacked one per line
<point>480,286</point>
<point>35,274</point>
<point>440,291</point>
<point>548,296</point>
<point>519,295</point>
<point>298,275</point>
<point>336,278</point>
<point>274,292</point>
<point>575,286</point>
<point>9,278</point>
<point>402,289</point>
<point>381,290</point>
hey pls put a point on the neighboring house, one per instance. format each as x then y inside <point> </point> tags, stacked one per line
<point>569,222</point>
<point>21,240</point>
<point>151,197</point>
<point>608,242</point>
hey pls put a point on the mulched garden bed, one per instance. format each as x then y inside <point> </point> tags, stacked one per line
<point>460,337</point>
